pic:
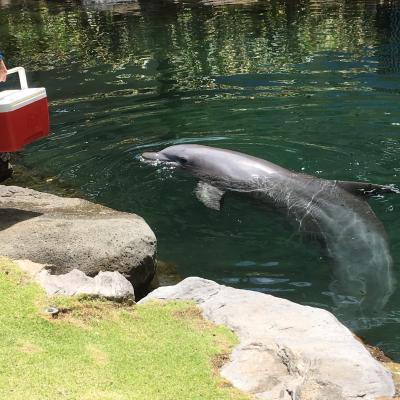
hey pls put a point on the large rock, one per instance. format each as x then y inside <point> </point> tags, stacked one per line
<point>286,351</point>
<point>69,233</point>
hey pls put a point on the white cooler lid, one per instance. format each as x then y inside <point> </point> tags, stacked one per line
<point>11,100</point>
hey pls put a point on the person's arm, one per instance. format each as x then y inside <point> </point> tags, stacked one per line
<point>3,69</point>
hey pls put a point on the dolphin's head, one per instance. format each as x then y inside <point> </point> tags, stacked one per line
<point>209,164</point>
<point>198,160</point>
<point>179,156</point>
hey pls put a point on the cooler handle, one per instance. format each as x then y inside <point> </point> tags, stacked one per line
<point>22,76</point>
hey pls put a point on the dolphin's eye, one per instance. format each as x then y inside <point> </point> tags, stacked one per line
<point>182,160</point>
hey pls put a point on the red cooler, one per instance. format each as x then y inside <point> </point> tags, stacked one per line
<point>24,115</point>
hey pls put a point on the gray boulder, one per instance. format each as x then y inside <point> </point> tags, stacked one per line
<point>111,285</point>
<point>286,351</point>
<point>69,233</point>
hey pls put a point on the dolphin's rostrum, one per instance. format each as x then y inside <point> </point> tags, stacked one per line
<point>334,211</point>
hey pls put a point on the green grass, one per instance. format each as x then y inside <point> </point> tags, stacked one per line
<point>101,350</point>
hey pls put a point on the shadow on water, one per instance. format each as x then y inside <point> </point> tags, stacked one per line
<point>310,85</point>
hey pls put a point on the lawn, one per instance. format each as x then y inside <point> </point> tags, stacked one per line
<point>96,349</point>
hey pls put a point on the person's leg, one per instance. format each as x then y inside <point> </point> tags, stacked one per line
<point>5,166</point>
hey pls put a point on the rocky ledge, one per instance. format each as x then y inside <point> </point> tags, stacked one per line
<point>69,233</point>
<point>286,351</point>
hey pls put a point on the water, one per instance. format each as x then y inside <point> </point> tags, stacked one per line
<point>311,85</point>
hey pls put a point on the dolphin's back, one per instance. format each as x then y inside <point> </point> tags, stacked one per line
<point>230,163</point>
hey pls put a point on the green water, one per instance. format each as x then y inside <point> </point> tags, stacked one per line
<point>312,85</point>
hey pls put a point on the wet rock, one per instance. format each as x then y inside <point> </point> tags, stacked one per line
<point>286,351</point>
<point>24,176</point>
<point>394,368</point>
<point>71,233</point>
<point>166,274</point>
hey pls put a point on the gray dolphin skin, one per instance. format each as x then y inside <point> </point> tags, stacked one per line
<point>334,211</point>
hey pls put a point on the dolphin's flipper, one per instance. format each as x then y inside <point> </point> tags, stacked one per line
<point>365,189</point>
<point>209,195</point>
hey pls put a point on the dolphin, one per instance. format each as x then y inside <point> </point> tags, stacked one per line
<point>335,212</point>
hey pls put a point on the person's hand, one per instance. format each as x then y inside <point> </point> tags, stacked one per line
<point>3,71</point>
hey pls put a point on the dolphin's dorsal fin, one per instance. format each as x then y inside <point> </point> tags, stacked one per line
<point>209,195</point>
<point>366,189</point>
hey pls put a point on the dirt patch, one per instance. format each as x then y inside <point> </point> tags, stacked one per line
<point>83,312</point>
<point>28,347</point>
<point>97,355</point>
<point>195,316</point>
